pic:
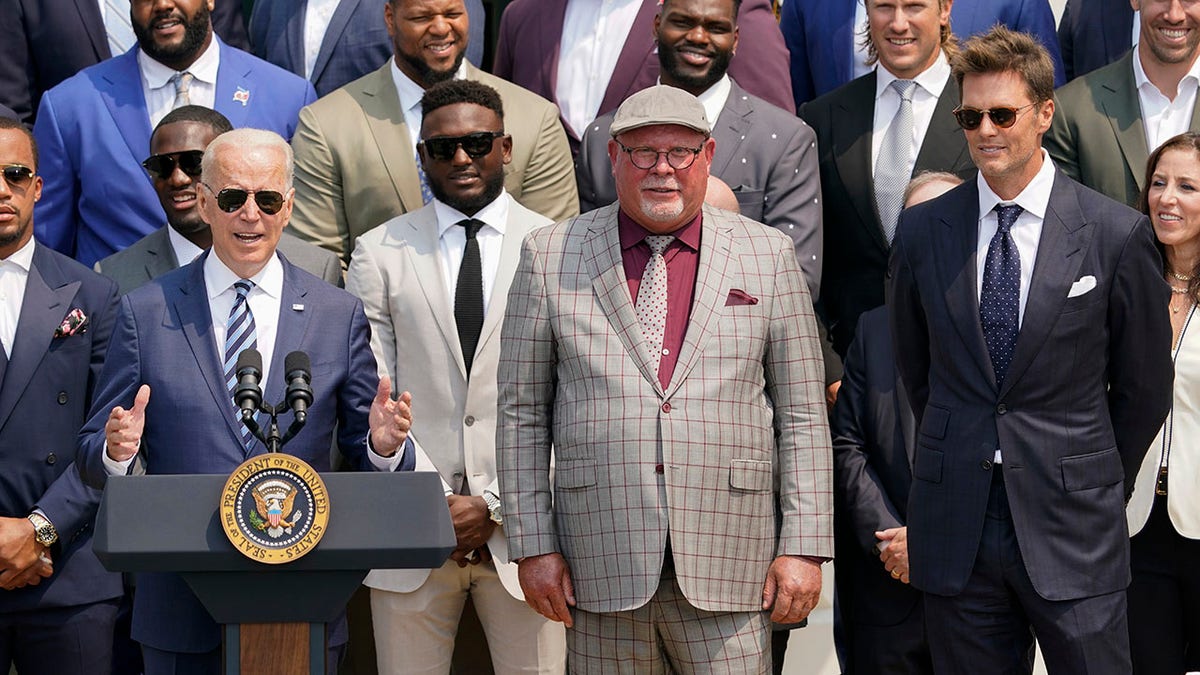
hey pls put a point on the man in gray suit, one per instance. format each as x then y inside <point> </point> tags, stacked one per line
<point>176,146</point>
<point>1108,121</point>
<point>765,154</point>
<point>667,352</point>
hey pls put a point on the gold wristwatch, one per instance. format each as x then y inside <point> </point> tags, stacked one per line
<point>43,530</point>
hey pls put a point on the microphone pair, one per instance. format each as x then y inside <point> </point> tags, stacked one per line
<point>298,373</point>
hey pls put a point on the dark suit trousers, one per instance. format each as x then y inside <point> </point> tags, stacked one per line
<point>59,641</point>
<point>1164,598</point>
<point>989,627</point>
<point>901,649</point>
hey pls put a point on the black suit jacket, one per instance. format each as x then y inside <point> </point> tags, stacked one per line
<point>1093,34</point>
<point>47,41</point>
<point>856,253</point>
<point>1087,390</point>
<point>873,439</point>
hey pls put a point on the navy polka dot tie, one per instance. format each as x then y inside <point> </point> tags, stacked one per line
<point>1000,299</point>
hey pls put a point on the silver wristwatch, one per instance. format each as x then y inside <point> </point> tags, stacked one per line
<point>495,512</point>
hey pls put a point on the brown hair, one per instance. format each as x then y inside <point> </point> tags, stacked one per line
<point>1000,50</point>
<point>1189,140</point>
<point>949,43</point>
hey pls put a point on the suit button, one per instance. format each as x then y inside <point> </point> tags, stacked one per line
<point>658,468</point>
<point>469,420</point>
<point>458,475</point>
<point>986,465</point>
<point>51,459</point>
<point>1001,409</point>
<point>62,398</point>
<point>666,407</point>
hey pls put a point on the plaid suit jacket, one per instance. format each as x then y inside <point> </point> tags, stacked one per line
<point>741,426</point>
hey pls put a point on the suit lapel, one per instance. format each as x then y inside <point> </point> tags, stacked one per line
<point>852,151</point>
<point>944,146</point>
<point>233,77</point>
<point>712,288</point>
<point>48,297</point>
<point>1064,234</point>
<point>122,95</point>
<point>289,337</point>
<point>93,23</point>
<point>955,253</point>
<point>729,129</point>
<point>160,257</point>
<point>293,32</point>
<point>638,50</point>
<point>510,255</point>
<point>602,256</point>
<point>337,25</point>
<point>1118,98</point>
<point>381,104</point>
<point>422,251</point>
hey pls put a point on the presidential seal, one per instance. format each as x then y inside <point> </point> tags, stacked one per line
<point>274,508</point>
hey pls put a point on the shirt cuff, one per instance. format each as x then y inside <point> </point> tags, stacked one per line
<point>112,466</point>
<point>393,463</point>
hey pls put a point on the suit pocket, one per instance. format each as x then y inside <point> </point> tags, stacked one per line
<point>750,475</point>
<point>927,465</point>
<point>750,202</point>
<point>1093,470</point>
<point>575,474</point>
<point>934,422</point>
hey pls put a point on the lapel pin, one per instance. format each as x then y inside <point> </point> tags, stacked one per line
<point>242,95</point>
<point>297,307</point>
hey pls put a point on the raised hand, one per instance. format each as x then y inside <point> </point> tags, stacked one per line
<point>123,431</point>
<point>390,420</point>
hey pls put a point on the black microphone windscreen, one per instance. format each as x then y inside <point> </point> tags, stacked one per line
<point>249,358</point>
<point>297,361</point>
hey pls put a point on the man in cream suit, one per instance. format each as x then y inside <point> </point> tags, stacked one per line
<point>434,283</point>
<point>668,353</point>
<point>356,148</point>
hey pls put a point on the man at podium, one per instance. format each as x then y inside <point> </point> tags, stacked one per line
<point>165,395</point>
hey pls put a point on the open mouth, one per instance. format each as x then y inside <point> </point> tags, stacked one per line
<point>902,42</point>
<point>167,26</point>
<point>695,57</point>
<point>247,237</point>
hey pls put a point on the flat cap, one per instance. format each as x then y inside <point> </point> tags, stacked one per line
<point>660,104</point>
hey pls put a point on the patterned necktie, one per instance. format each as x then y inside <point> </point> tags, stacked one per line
<point>468,294</point>
<point>239,335</point>
<point>1000,299</point>
<point>894,166</point>
<point>117,26</point>
<point>652,295</point>
<point>182,82</point>
<point>426,193</point>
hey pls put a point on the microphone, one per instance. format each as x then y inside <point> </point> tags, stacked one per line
<point>248,395</point>
<point>298,369</point>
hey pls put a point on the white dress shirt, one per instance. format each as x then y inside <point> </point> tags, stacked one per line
<point>1165,116</point>
<point>184,250</point>
<point>593,35</point>
<point>160,91</point>
<point>1026,231</point>
<point>14,273</point>
<point>317,14</point>
<point>452,241</point>
<point>410,100</point>
<point>930,84</point>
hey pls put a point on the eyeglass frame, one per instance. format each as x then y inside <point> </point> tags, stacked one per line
<point>22,183</point>
<point>459,143</point>
<point>175,164</point>
<point>1015,110</point>
<point>695,152</point>
<point>249,194</point>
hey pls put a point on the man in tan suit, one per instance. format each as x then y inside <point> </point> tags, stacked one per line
<point>356,148</point>
<point>668,353</point>
<point>434,283</point>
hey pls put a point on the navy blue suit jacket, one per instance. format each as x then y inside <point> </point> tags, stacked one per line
<point>1093,34</point>
<point>1086,392</point>
<point>163,338</point>
<point>47,41</point>
<point>93,132</point>
<point>819,34</point>
<point>356,41</point>
<point>44,397</point>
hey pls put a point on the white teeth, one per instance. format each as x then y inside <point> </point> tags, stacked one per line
<point>1168,216</point>
<point>1173,32</point>
<point>902,42</point>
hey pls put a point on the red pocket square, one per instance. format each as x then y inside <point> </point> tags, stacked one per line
<point>739,297</point>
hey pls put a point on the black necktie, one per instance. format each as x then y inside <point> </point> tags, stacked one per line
<point>468,294</point>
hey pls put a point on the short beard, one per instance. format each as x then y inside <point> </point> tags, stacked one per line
<point>668,59</point>
<point>8,240</point>
<point>429,76</point>
<point>195,33</point>
<point>492,188</point>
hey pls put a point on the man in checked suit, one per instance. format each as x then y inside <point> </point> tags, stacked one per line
<point>434,283</point>
<point>1032,334</point>
<point>668,354</point>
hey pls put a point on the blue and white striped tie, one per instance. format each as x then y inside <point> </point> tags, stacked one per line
<point>117,26</point>
<point>239,335</point>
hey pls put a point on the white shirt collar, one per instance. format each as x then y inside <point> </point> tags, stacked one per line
<point>185,251</point>
<point>156,75</point>
<point>1034,199</point>
<point>932,79</point>
<point>219,278</point>
<point>714,98</point>
<point>1141,80</point>
<point>410,92</point>
<point>22,257</point>
<point>494,215</point>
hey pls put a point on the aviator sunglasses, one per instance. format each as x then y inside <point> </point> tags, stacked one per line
<point>17,175</point>
<point>229,200</point>
<point>476,145</point>
<point>162,166</point>
<point>971,118</point>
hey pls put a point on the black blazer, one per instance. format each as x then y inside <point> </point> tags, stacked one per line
<point>1093,34</point>
<point>855,251</point>
<point>1087,390</point>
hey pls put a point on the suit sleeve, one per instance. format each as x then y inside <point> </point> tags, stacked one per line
<point>68,503</point>
<point>319,216</point>
<point>910,334</point>
<point>791,24</point>
<point>1061,141</point>
<point>525,388</point>
<point>795,382</point>
<point>1037,18</point>
<point>502,63</point>
<point>1140,369</point>
<point>549,183</point>
<point>761,64</point>
<point>1066,43</point>
<point>356,395</point>
<point>117,384</point>
<point>364,280</point>
<point>860,491</point>
<point>56,216</point>
<point>793,205</point>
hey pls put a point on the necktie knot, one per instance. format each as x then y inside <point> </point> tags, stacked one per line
<point>243,287</point>
<point>658,243</point>
<point>905,88</point>
<point>182,82</point>
<point>1007,214</point>
<point>471,226</point>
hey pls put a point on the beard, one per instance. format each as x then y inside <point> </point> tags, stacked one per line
<point>195,33</point>
<point>429,76</point>
<point>469,205</point>
<point>673,66</point>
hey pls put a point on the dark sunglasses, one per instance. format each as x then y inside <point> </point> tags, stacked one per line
<point>162,166</point>
<point>229,200</point>
<point>971,118</point>
<point>476,145</point>
<point>17,175</point>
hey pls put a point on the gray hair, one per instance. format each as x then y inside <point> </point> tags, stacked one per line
<point>247,139</point>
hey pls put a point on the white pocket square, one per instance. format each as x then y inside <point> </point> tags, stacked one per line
<point>1082,286</point>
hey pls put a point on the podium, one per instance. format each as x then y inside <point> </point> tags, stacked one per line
<point>273,616</point>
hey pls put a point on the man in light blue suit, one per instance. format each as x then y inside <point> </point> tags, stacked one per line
<point>165,366</point>
<point>94,128</point>
<point>821,36</point>
<point>353,42</point>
